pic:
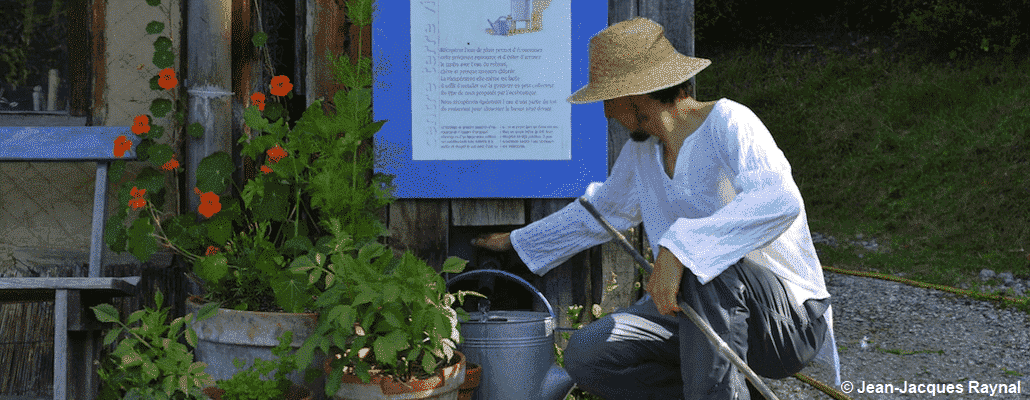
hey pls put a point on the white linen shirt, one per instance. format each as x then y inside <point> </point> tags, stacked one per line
<point>732,196</point>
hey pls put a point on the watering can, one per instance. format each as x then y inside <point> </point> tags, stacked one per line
<point>515,349</point>
<point>501,26</point>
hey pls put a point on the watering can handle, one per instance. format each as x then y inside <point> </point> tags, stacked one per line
<point>510,275</point>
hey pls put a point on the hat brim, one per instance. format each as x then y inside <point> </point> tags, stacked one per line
<point>674,70</point>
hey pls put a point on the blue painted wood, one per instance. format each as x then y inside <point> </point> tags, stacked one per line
<point>71,144</point>
<point>64,143</point>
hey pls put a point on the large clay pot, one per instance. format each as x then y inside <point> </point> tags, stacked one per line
<point>472,373</point>
<point>296,392</point>
<point>443,386</point>
<point>249,335</point>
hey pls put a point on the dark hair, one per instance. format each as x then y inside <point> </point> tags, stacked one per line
<point>669,94</point>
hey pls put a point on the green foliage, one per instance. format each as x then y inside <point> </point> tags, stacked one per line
<point>150,362</point>
<point>378,312</point>
<point>248,383</point>
<point>952,27</point>
<point>917,153</point>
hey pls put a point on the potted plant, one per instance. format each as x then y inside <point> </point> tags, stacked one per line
<point>150,362</point>
<point>245,250</point>
<point>388,321</point>
<point>248,384</point>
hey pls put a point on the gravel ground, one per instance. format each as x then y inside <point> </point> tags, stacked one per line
<point>889,333</point>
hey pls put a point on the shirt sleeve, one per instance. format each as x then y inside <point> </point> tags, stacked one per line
<point>766,204</point>
<point>547,243</point>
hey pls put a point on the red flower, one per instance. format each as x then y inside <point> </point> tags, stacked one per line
<point>265,169</point>
<point>137,201</point>
<point>166,79</point>
<point>140,125</point>
<point>281,85</point>
<point>276,153</point>
<point>258,99</point>
<point>121,145</point>
<point>209,205</point>
<point>171,164</point>
<point>211,250</point>
<point>197,191</point>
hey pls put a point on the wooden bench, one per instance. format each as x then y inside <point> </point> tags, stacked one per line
<point>77,337</point>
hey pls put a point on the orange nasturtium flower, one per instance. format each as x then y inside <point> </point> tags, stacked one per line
<point>171,164</point>
<point>265,169</point>
<point>166,78</point>
<point>209,204</point>
<point>281,85</point>
<point>258,99</point>
<point>211,250</point>
<point>121,145</point>
<point>140,125</point>
<point>276,153</point>
<point>137,201</point>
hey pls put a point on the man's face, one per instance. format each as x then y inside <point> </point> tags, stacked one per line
<point>627,111</point>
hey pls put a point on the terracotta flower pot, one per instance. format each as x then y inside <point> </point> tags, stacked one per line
<point>472,374</point>
<point>296,392</point>
<point>442,386</point>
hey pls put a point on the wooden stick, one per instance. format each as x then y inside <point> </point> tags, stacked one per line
<point>720,345</point>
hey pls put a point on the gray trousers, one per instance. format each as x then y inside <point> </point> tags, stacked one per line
<point>637,353</point>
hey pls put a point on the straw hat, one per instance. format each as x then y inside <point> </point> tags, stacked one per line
<point>634,57</point>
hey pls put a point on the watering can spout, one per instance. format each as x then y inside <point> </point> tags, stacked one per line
<point>557,384</point>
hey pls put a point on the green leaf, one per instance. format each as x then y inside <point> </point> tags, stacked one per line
<point>111,336</point>
<point>164,59</point>
<point>163,43</point>
<point>207,311</point>
<point>298,245</point>
<point>386,347</point>
<point>155,27</point>
<point>159,154</point>
<point>454,265</point>
<point>115,170</point>
<point>274,203</point>
<point>290,291</point>
<point>142,243</point>
<point>191,337</point>
<point>219,228</point>
<point>185,232</point>
<point>367,295</point>
<point>155,133</point>
<point>114,232</point>
<point>214,172</point>
<point>212,268</point>
<point>105,313</point>
<point>196,130</point>
<point>259,39</point>
<point>154,83</point>
<point>154,3</point>
<point>160,107</point>
<point>252,116</point>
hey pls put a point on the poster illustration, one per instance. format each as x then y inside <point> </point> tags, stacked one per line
<point>489,80</point>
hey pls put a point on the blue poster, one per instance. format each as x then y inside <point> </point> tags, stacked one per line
<point>475,92</point>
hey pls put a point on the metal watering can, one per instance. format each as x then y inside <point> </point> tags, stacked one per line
<point>515,349</point>
<point>501,26</point>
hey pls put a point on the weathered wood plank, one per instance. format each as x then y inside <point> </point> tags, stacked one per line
<point>488,212</point>
<point>41,289</point>
<point>421,225</point>
<point>65,143</point>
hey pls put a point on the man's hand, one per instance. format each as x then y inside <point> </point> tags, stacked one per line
<point>494,241</point>
<point>664,283</point>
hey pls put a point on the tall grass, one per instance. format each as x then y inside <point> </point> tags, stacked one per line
<point>930,158</point>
